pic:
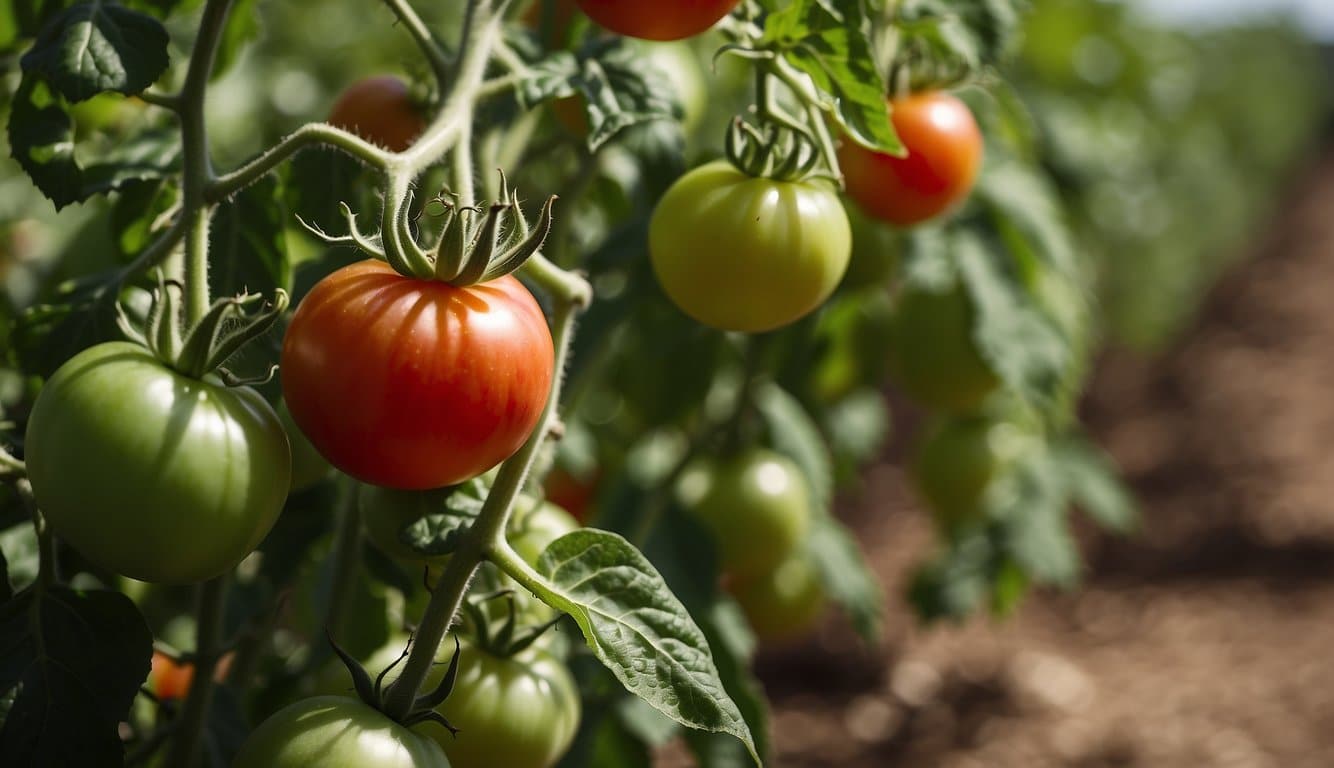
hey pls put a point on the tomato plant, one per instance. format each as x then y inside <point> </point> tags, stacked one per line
<point>932,352</point>
<point>757,506</point>
<point>118,445</point>
<point>415,384</point>
<point>957,461</point>
<point>672,20</point>
<point>784,603</point>
<point>337,732</point>
<point>380,110</point>
<point>944,153</point>
<point>536,525</point>
<point>748,254</point>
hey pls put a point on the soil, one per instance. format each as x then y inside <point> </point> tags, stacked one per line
<point>1206,639</point>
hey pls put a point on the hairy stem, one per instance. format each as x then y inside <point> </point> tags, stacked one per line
<point>346,557</point>
<point>211,599</point>
<point>423,37</point>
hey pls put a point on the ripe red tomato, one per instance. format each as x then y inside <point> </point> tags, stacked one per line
<point>944,155</point>
<point>670,20</point>
<point>573,494</point>
<point>379,110</point>
<point>416,384</point>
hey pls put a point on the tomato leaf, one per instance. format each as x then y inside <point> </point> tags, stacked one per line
<point>247,247</point>
<point>1027,213</point>
<point>1092,483</point>
<point>733,646</point>
<point>1017,341</point>
<point>75,660</point>
<point>829,40</point>
<point>1029,503</point>
<point>795,435</point>
<point>847,578</point>
<point>617,86</point>
<point>438,532</point>
<point>639,629</point>
<point>97,46</point>
<point>41,138</point>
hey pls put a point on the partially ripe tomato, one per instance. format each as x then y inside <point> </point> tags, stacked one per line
<point>748,254</point>
<point>380,110</point>
<point>944,154</point>
<point>170,680</point>
<point>535,525</point>
<point>416,384</point>
<point>337,732</point>
<point>757,505</point>
<point>152,474</point>
<point>785,603</point>
<point>665,20</point>
<point>932,354</point>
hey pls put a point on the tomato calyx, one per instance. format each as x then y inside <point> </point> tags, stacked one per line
<point>509,638</point>
<point>228,325</point>
<point>371,692</point>
<point>477,243</point>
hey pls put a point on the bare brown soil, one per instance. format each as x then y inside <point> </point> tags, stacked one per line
<point>1205,640</point>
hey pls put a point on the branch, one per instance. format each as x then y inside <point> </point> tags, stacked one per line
<point>229,184</point>
<point>429,46</point>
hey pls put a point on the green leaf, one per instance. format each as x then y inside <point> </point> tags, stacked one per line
<point>242,27</point>
<point>618,86</point>
<point>847,579</point>
<point>41,138</point>
<point>829,40</point>
<point>247,245</point>
<point>98,46</point>
<point>18,547</point>
<point>1016,340</point>
<point>1093,484</point>
<point>452,512</point>
<point>733,645</point>
<point>639,630</point>
<point>1027,213</point>
<point>76,660</point>
<point>1028,502</point>
<point>795,435</point>
<point>956,582</point>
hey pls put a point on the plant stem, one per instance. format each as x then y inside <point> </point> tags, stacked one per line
<point>10,465</point>
<point>47,571</point>
<point>197,169</point>
<point>423,37</point>
<point>489,528</point>
<point>346,557</point>
<point>311,133</point>
<point>210,602</point>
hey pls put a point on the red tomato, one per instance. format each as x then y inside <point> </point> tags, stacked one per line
<point>667,20</point>
<point>944,155</point>
<point>379,110</point>
<point>416,384</point>
<point>571,493</point>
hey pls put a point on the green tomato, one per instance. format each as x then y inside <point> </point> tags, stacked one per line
<point>785,603</point>
<point>385,512</point>
<point>337,732</point>
<point>152,474</point>
<point>958,461</point>
<point>756,503</point>
<point>516,712</point>
<point>748,254</point>
<point>534,526</point>
<point>933,355</point>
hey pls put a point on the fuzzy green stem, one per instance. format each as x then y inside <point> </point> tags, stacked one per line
<point>307,135</point>
<point>489,527</point>
<point>421,34</point>
<point>47,572</point>
<point>211,600</point>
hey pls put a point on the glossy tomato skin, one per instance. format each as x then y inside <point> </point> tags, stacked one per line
<point>665,20</point>
<point>380,110</point>
<point>748,254</point>
<point>785,603</point>
<point>416,384</point>
<point>516,712</point>
<point>336,732</point>
<point>944,155</point>
<point>933,355</point>
<point>152,474</point>
<point>757,505</point>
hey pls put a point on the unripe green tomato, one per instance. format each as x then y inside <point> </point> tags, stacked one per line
<point>748,254</point>
<point>535,525</point>
<point>385,512</point>
<point>933,355</point>
<point>337,732</point>
<point>756,504</point>
<point>516,712</point>
<point>152,474</point>
<point>959,459</point>
<point>784,604</point>
<point>308,466</point>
